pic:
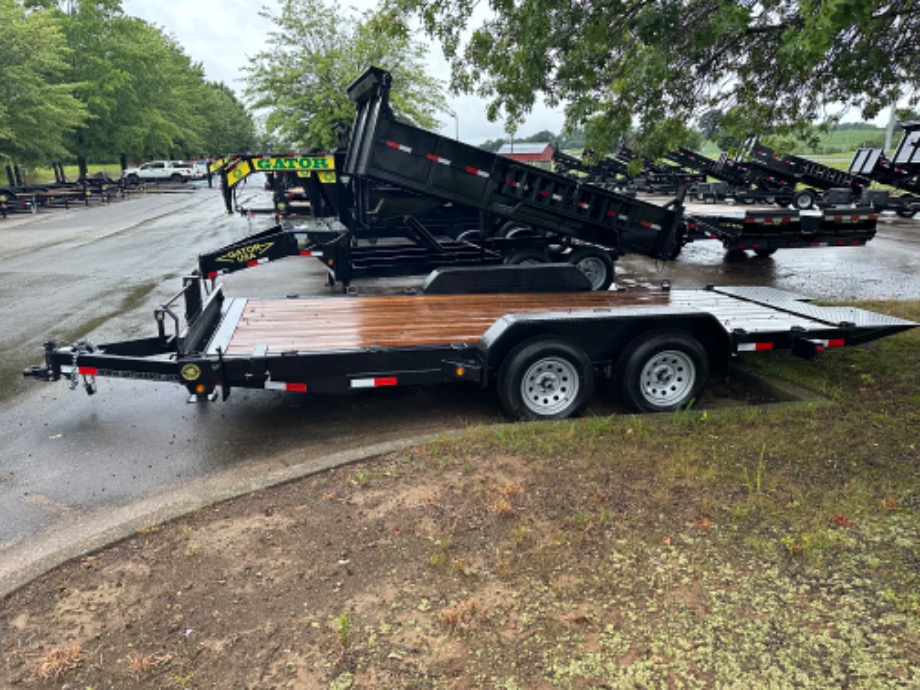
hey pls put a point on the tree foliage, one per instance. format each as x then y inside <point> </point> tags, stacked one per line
<point>37,105</point>
<point>316,51</point>
<point>769,66</point>
<point>86,80</point>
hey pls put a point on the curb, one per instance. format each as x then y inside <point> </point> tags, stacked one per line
<point>35,556</point>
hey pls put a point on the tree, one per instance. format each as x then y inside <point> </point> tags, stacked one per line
<point>317,50</point>
<point>37,109</point>
<point>771,66</point>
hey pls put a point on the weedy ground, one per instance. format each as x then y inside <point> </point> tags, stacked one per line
<point>763,546</point>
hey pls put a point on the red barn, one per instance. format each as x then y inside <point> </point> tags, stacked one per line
<point>537,154</point>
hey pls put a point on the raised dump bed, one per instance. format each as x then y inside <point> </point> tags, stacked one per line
<point>384,150</point>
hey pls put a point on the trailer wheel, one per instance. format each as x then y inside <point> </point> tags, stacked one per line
<point>528,256</point>
<point>804,200</point>
<point>661,371</point>
<point>596,264</point>
<point>545,380</point>
<point>468,236</point>
<point>906,212</point>
<point>512,229</point>
<point>764,253</point>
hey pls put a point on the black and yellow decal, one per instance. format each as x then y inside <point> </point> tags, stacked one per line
<point>237,173</point>
<point>242,255</point>
<point>299,164</point>
<point>190,372</point>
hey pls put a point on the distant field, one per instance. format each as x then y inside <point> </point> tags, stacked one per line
<point>834,149</point>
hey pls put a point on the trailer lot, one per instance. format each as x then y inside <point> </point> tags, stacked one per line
<point>103,270</point>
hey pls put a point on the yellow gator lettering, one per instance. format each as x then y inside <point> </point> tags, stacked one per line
<point>246,254</point>
<point>305,163</point>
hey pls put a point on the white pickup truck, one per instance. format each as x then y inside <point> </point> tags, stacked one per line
<point>174,171</point>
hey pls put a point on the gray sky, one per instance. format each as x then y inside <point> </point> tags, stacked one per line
<point>222,34</point>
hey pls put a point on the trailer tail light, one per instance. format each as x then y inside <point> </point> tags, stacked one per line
<point>379,382</point>
<point>87,371</point>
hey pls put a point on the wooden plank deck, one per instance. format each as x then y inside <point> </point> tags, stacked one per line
<point>344,323</point>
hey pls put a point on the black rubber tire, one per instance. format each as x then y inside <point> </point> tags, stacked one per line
<point>526,255</point>
<point>176,177</point>
<point>545,379</point>
<point>468,236</point>
<point>596,264</point>
<point>661,371</point>
<point>764,253</point>
<point>906,213</point>
<point>804,200</point>
<point>132,180</point>
<point>512,229</point>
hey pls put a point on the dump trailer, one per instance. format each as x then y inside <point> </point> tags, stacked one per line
<point>765,232</point>
<point>735,180</point>
<point>658,178</point>
<point>455,205</point>
<point>901,172</point>
<point>824,185</point>
<point>541,351</point>
<point>383,150</point>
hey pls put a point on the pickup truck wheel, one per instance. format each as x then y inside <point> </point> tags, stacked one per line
<point>545,380</point>
<point>133,180</point>
<point>596,264</point>
<point>176,177</point>
<point>661,371</point>
<point>526,257</point>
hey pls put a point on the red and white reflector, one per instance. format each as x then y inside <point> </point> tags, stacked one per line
<point>286,386</point>
<point>399,147</point>
<point>476,171</point>
<point>378,382</point>
<point>754,347</point>
<point>437,159</point>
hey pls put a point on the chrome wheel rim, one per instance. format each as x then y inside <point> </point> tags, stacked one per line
<point>549,386</point>
<point>667,378</point>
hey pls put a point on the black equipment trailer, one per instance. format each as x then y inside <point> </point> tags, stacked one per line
<point>824,186</point>
<point>901,172</point>
<point>445,203</point>
<point>541,351</point>
<point>735,180</point>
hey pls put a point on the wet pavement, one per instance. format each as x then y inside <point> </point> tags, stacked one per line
<point>103,270</point>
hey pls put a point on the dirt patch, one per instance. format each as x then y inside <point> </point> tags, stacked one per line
<point>569,555</point>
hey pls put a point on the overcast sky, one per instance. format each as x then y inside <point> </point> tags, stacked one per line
<point>223,34</point>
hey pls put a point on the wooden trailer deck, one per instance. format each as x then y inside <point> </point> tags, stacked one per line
<point>349,323</point>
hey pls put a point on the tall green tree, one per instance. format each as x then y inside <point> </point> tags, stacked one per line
<point>37,106</point>
<point>230,125</point>
<point>316,51</point>
<point>770,66</point>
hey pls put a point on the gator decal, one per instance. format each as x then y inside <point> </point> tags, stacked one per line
<point>243,255</point>
<point>307,163</point>
<point>238,173</point>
